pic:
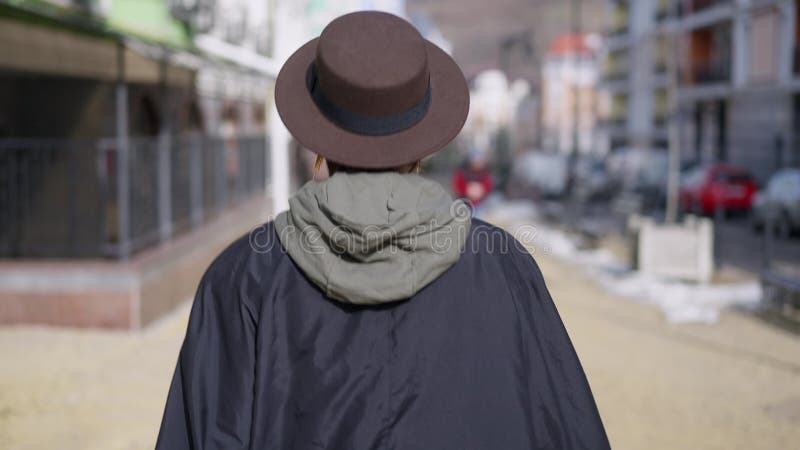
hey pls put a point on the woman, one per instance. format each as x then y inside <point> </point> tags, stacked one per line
<point>374,314</point>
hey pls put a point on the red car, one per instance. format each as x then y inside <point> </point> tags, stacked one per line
<point>707,188</point>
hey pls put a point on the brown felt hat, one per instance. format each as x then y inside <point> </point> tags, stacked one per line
<point>371,92</point>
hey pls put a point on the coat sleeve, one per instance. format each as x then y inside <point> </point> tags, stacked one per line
<point>210,400</point>
<point>565,415</point>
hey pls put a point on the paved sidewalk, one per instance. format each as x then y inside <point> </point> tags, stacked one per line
<point>71,389</point>
<point>732,385</point>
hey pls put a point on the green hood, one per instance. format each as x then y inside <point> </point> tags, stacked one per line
<point>370,238</point>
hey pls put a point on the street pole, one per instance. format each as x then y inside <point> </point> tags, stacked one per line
<point>286,39</point>
<point>673,176</point>
<point>576,110</point>
<point>163,151</point>
<point>123,155</point>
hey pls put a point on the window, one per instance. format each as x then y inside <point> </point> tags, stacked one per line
<point>764,29</point>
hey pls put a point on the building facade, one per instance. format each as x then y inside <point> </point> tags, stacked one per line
<point>736,72</point>
<point>118,131</point>
<point>138,138</point>
<point>570,75</point>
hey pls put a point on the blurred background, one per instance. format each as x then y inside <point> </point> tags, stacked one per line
<point>647,152</point>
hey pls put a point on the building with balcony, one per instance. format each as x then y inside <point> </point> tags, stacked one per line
<point>736,74</point>
<point>629,76</point>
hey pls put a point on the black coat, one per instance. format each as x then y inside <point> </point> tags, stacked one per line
<point>478,359</point>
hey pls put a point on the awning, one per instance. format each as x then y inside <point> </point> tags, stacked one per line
<point>240,56</point>
<point>54,51</point>
<point>51,50</point>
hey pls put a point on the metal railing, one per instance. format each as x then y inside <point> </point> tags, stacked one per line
<point>112,198</point>
<point>699,5</point>
<point>710,72</point>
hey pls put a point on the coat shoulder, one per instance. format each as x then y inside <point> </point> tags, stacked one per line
<point>238,271</point>
<point>491,242</point>
<point>258,246</point>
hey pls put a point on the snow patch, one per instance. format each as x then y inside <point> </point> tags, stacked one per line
<point>681,302</point>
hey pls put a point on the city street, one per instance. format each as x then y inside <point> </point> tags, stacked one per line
<point>731,385</point>
<point>138,138</point>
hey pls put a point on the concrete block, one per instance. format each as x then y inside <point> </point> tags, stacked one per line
<point>681,251</point>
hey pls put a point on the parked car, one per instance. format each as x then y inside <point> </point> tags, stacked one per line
<point>641,177</point>
<point>707,188</point>
<point>779,203</point>
<point>592,179</point>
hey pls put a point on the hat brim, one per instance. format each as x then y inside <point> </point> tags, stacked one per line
<point>445,117</point>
